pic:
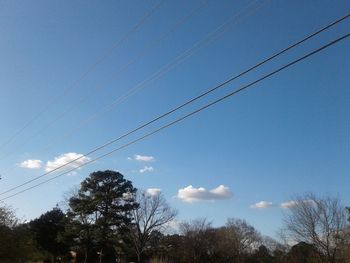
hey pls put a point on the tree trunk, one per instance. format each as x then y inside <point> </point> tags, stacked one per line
<point>101,255</point>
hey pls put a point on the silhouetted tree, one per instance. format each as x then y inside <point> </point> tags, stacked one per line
<point>8,217</point>
<point>317,221</point>
<point>16,241</point>
<point>101,212</point>
<point>152,214</point>
<point>240,238</point>
<point>261,255</point>
<point>303,253</point>
<point>198,242</point>
<point>48,231</point>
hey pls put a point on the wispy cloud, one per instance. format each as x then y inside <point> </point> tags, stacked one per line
<point>31,164</point>
<point>153,191</point>
<point>142,158</point>
<point>262,205</point>
<point>191,194</point>
<point>66,158</point>
<point>288,204</point>
<point>293,203</point>
<point>146,169</point>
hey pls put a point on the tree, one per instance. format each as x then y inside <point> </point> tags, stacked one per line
<point>262,255</point>
<point>16,242</point>
<point>101,211</point>
<point>275,248</point>
<point>317,221</point>
<point>199,242</point>
<point>152,214</point>
<point>302,253</point>
<point>239,238</point>
<point>48,231</point>
<point>8,217</point>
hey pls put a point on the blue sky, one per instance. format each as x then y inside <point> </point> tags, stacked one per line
<point>288,135</point>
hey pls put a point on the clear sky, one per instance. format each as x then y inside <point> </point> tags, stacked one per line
<point>288,135</point>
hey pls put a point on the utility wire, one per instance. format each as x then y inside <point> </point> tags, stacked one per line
<point>251,84</point>
<point>86,73</point>
<point>182,105</point>
<point>212,36</point>
<point>143,53</point>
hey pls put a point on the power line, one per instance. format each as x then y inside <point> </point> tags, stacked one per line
<point>183,56</point>
<point>212,36</point>
<point>251,84</point>
<point>143,53</point>
<point>186,103</point>
<point>86,73</point>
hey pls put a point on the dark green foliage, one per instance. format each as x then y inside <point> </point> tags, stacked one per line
<point>16,241</point>
<point>100,213</point>
<point>48,231</point>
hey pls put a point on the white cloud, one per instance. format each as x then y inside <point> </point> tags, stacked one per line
<point>288,204</point>
<point>66,158</point>
<point>153,191</point>
<point>191,194</point>
<point>292,203</point>
<point>262,205</point>
<point>143,158</point>
<point>146,169</point>
<point>31,164</point>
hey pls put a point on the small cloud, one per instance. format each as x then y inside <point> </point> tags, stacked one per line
<point>31,164</point>
<point>262,205</point>
<point>191,194</point>
<point>288,204</point>
<point>146,169</point>
<point>153,191</point>
<point>67,158</point>
<point>292,203</point>
<point>143,158</point>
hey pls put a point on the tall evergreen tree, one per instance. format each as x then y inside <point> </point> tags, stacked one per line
<point>101,212</point>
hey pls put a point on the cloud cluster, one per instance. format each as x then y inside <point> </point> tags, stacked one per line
<point>146,169</point>
<point>284,205</point>
<point>262,205</point>
<point>31,164</point>
<point>144,159</point>
<point>67,158</point>
<point>191,194</point>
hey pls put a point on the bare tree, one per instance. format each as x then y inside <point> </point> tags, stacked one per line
<point>240,237</point>
<point>195,226</point>
<point>203,243</point>
<point>199,241</point>
<point>152,214</point>
<point>8,217</point>
<point>317,221</point>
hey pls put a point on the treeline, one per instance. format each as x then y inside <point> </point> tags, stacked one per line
<point>108,220</point>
